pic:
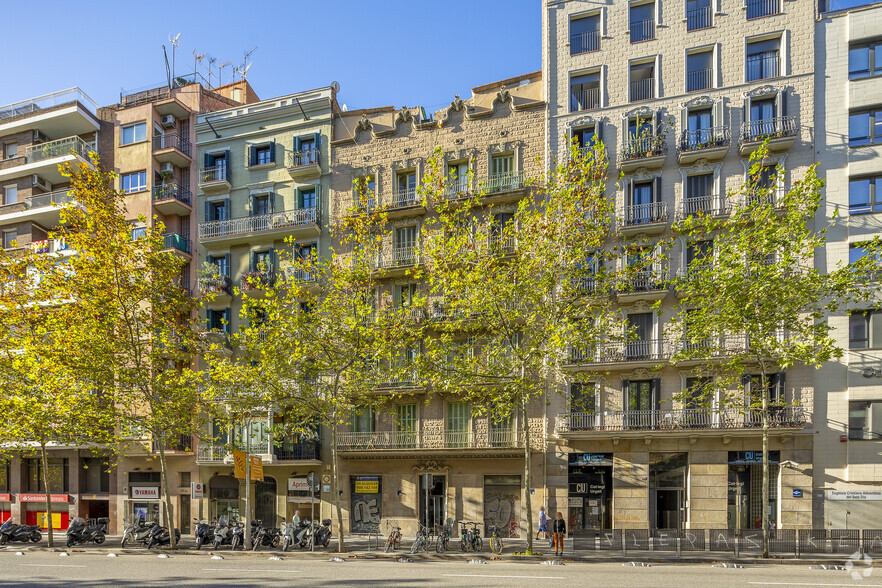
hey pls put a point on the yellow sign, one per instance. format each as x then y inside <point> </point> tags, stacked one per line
<point>56,520</point>
<point>239,464</point>
<point>256,468</point>
<point>367,485</point>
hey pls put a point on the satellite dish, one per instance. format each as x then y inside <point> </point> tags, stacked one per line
<point>335,86</point>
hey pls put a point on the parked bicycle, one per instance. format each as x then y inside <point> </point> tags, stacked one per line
<point>441,544</point>
<point>470,539</point>
<point>495,540</point>
<point>422,540</point>
<point>393,542</point>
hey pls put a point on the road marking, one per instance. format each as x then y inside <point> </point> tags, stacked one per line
<point>798,584</point>
<point>52,566</point>
<point>496,576</point>
<point>241,570</point>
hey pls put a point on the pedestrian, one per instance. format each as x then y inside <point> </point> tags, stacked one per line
<point>543,523</point>
<point>296,519</point>
<point>560,531</point>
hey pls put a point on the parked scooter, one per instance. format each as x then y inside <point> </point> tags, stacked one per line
<point>160,536</point>
<point>289,534</point>
<point>264,536</point>
<point>138,532</point>
<point>322,533</point>
<point>204,532</point>
<point>303,534</point>
<point>223,532</point>
<point>78,532</point>
<point>9,531</point>
<point>238,535</point>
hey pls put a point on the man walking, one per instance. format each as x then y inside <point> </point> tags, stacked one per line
<point>543,523</point>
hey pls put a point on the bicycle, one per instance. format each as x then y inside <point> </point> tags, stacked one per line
<point>464,536</point>
<point>422,539</point>
<point>477,542</point>
<point>495,540</point>
<point>393,542</point>
<point>443,538</point>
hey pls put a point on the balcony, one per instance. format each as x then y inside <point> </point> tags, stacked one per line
<point>761,8</point>
<point>220,287</point>
<point>780,131</point>
<point>309,450</point>
<point>402,443</point>
<point>700,352</point>
<point>649,152</point>
<point>643,285</point>
<point>176,444</point>
<point>505,187</point>
<point>645,353</point>
<point>172,148</point>
<point>177,243</point>
<point>256,280</point>
<point>404,202</point>
<point>584,42</point>
<point>458,188</point>
<point>215,178</point>
<point>686,421</point>
<point>398,260</point>
<point>67,112</point>
<point>650,218</point>
<point>711,144</point>
<point>642,30</point>
<point>170,199</point>
<point>265,227</point>
<point>641,90</point>
<point>762,66</point>
<point>698,18</point>
<point>502,244</point>
<point>710,205</point>
<point>39,208</point>
<point>44,158</point>
<point>304,164</point>
<point>584,99</point>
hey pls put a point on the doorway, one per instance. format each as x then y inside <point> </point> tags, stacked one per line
<point>432,492</point>
<point>265,501</point>
<point>668,509</point>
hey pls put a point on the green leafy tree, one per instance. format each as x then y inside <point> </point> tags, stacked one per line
<point>755,302</point>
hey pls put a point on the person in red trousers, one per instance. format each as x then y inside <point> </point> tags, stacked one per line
<point>560,531</point>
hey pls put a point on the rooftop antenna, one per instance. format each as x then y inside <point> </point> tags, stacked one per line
<point>211,61</point>
<point>246,65</point>
<point>244,72</point>
<point>175,44</point>
<point>220,70</point>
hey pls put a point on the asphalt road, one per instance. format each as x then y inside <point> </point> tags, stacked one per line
<point>45,569</point>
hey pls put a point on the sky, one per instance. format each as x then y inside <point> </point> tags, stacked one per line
<point>383,52</point>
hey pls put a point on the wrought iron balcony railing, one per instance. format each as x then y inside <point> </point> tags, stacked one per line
<point>769,128</point>
<point>642,147</point>
<point>584,42</point>
<point>642,214</point>
<point>505,182</point>
<point>175,241</point>
<point>172,192</point>
<point>699,139</point>
<point>217,173</point>
<point>258,223</point>
<point>711,204</point>
<point>172,141</point>
<point>412,439</point>
<point>304,157</point>
<point>734,417</point>
<point>645,350</point>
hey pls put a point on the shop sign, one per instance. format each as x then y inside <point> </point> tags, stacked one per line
<point>854,494</point>
<point>145,492</point>
<point>5,497</point>
<point>196,490</point>
<point>42,498</point>
<point>367,484</point>
<point>604,459</point>
<point>575,502</point>
<point>298,485</point>
<point>752,457</point>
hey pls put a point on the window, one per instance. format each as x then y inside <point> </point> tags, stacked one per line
<point>865,329</point>
<point>764,185</point>
<point>760,8</point>
<point>10,194</point>
<point>585,91</point>
<point>307,198</point>
<point>307,151</point>
<point>698,14</point>
<point>642,81</point>
<point>585,137</point>
<point>404,294</point>
<point>865,195</point>
<point>639,344</point>
<point>764,119</point>
<point>134,133</point>
<point>261,154</point>
<point>699,71</point>
<point>865,128</point>
<point>763,59</point>
<point>57,475</point>
<point>221,262</point>
<point>502,165</point>
<point>217,210</point>
<point>502,231</point>
<point>457,177</point>
<point>406,424</point>
<point>864,419</point>
<point>260,205</point>
<point>185,480</point>
<point>405,194</point>
<point>856,251</point>
<point>365,191</point>
<point>11,150</point>
<point>585,34</point>
<point>96,477</point>
<point>699,253</point>
<point>641,22</point>
<point>456,427</point>
<point>363,420</point>
<point>774,387</point>
<point>699,193</point>
<point>583,397</point>
<point>405,238</point>
<point>696,394</point>
<point>865,60</point>
<point>139,233</point>
<point>134,182</point>
<point>218,320</point>
<point>10,239</point>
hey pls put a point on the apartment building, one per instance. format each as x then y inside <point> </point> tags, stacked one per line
<point>263,176</point>
<point>847,471</point>
<point>491,143</point>
<point>681,93</point>
<point>36,135</point>
<point>148,139</point>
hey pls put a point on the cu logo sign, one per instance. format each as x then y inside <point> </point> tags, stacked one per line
<point>582,488</point>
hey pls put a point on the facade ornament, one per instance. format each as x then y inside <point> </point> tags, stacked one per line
<point>430,467</point>
<point>696,102</point>
<point>364,124</point>
<point>641,112</point>
<point>766,90</point>
<point>582,121</point>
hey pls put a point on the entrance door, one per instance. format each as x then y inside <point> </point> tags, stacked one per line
<point>265,501</point>
<point>432,511</point>
<point>185,514</point>
<point>668,509</point>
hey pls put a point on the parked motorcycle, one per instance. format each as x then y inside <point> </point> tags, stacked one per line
<point>265,536</point>
<point>223,532</point>
<point>78,532</point>
<point>138,532</point>
<point>238,535</point>
<point>302,534</point>
<point>9,531</point>
<point>323,533</point>
<point>289,534</point>
<point>160,536</point>
<point>204,532</point>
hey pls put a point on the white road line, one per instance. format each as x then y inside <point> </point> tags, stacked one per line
<point>495,576</point>
<point>241,570</point>
<point>51,566</point>
<point>799,584</point>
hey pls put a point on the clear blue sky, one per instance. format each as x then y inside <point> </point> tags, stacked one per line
<point>385,52</point>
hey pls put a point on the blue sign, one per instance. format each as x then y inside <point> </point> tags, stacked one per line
<point>591,459</point>
<point>797,493</point>
<point>752,457</point>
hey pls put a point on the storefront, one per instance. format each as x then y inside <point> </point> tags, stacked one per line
<point>667,490</point>
<point>746,486</point>
<point>301,499</point>
<point>5,507</point>
<point>366,503</point>
<point>223,494</point>
<point>590,491</point>
<point>35,510</point>
<point>502,504</point>
<point>144,504</point>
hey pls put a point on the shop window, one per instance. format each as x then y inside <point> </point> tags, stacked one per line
<point>745,488</point>
<point>502,504</point>
<point>57,475</point>
<point>667,490</point>
<point>4,476</point>
<point>96,477</point>
<point>865,419</point>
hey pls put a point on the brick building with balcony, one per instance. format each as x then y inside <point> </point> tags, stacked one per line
<point>490,144</point>
<point>263,177</point>
<point>680,93</point>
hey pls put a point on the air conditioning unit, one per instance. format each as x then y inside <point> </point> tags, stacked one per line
<point>167,121</point>
<point>166,167</point>
<point>40,182</point>
<point>40,137</point>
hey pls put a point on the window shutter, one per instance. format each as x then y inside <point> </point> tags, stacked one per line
<point>657,79</point>
<point>298,198</point>
<point>318,201</point>
<point>272,195</point>
<point>655,392</point>
<point>625,385</point>
<point>718,113</point>
<point>318,141</point>
<point>296,143</point>
<point>227,314</point>
<point>226,207</point>
<point>252,260</point>
<point>252,155</point>
<point>272,261</point>
<point>598,132</point>
<point>207,211</point>
<point>273,151</point>
<point>229,268</point>
<point>227,160</point>
<point>781,99</point>
<point>207,160</point>
<point>251,207</point>
<point>780,387</point>
<point>657,197</point>
<point>630,194</point>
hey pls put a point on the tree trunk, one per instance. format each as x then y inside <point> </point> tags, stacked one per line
<point>528,478</point>
<point>247,535</point>
<point>169,512</point>
<point>765,523</point>
<point>44,456</point>
<point>334,483</point>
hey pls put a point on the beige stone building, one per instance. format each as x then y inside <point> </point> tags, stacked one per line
<point>680,93</point>
<point>848,407</point>
<point>491,142</point>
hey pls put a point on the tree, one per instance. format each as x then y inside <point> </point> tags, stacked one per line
<point>44,405</point>
<point>514,291</point>
<point>310,338</point>
<point>754,300</point>
<point>137,336</point>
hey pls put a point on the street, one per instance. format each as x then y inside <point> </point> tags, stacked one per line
<point>44,569</point>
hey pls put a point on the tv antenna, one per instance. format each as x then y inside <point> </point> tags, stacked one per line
<point>211,61</point>
<point>220,70</point>
<point>242,70</point>
<point>175,42</point>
